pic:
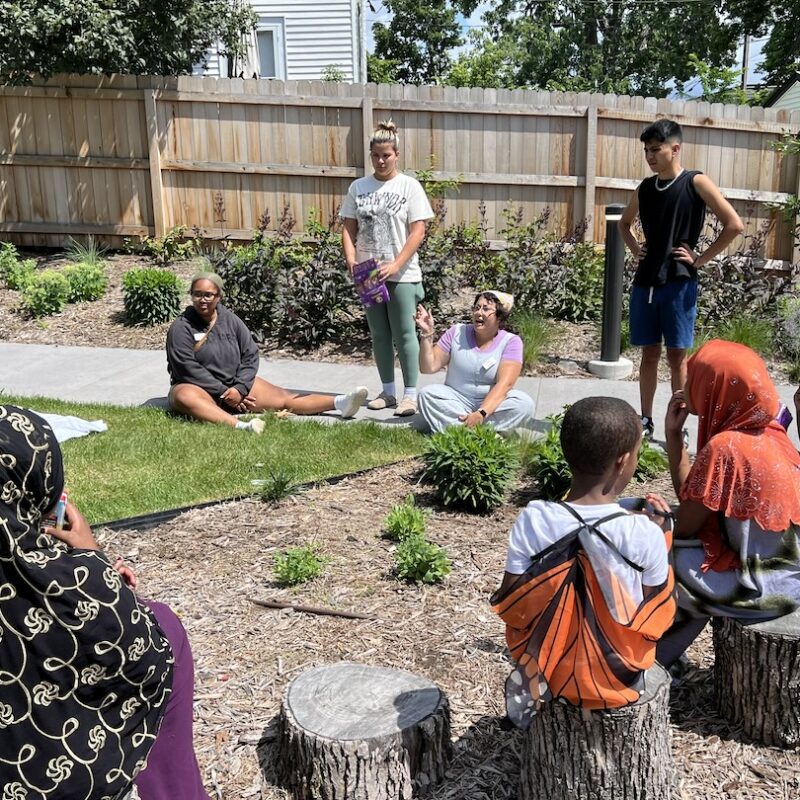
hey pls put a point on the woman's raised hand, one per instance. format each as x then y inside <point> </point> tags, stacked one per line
<point>677,411</point>
<point>424,320</point>
<point>76,532</point>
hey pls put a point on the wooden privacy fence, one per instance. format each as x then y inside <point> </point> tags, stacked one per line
<point>125,155</point>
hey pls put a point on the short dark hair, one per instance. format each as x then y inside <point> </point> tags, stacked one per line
<point>598,430</point>
<point>501,313</point>
<point>662,130</point>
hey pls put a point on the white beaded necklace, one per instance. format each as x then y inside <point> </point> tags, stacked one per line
<point>664,188</point>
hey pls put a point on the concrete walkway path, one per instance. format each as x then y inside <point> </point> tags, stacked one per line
<point>133,377</point>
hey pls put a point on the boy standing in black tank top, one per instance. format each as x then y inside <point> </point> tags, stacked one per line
<point>671,205</point>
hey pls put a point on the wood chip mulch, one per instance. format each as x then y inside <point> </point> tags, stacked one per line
<point>207,564</point>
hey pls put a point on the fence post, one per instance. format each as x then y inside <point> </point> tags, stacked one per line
<point>154,157</point>
<point>610,364</point>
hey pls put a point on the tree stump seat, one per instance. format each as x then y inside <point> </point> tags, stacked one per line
<point>757,677</point>
<point>620,754</point>
<point>354,732</point>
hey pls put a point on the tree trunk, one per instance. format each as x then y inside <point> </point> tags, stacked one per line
<point>757,677</point>
<point>354,732</point>
<point>620,754</point>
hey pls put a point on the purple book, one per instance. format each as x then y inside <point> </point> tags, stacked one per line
<point>371,289</point>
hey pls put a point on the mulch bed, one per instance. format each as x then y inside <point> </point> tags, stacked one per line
<point>207,563</point>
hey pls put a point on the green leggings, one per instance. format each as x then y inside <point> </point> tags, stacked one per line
<point>392,327</point>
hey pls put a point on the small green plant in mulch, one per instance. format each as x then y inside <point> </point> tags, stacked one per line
<point>174,245</point>
<point>298,565</point>
<point>536,333</point>
<point>15,273</point>
<point>151,296</point>
<point>470,468</point>
<point>90,252</point>
<point>87,282</point>
<point>404,521</point>
<point>545,463</point>
<point>277,486</point>
<point>421,561</point>
<point>45,293</point>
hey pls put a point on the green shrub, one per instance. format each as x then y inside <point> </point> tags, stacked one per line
<point>90,253</point>
<point>787,326</point>
<point>15,274</point>
<point>421,561</point>
<point>295,293</point>
<point>87,281</point>
<point>298,565</point>
<point>737,285</point>
<point>545,463</point>
<point>755,332</point>
<point>174,245</point>
<point>151,296</point>
<point>471,468</point>
<point>536,333</point>
<point>404,521</point>
<point>562,278</point>
<point>45,293</point>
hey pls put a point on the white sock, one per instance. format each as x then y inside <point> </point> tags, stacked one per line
<point>339,401</point>
<point>410,391</point>
<point>242,426</point>
<point>390,389</point>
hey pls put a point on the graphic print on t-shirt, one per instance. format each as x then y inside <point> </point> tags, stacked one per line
<point>374,212</point>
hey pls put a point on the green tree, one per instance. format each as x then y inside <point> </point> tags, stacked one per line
<point>162,37</point>
<point>381,70</point>
<point>418,39</point>
<point>621,46</point>
<point>719,84</point>
<point>488,64</point>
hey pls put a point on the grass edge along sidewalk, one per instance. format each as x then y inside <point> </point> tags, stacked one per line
<point>150,461</point>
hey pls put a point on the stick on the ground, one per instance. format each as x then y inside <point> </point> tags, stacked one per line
<point>326,612</point>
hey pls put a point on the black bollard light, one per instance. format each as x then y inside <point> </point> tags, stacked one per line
<point>611,365</point>
<point>612,284</point>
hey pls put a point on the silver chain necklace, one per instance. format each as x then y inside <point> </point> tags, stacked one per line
<point>664,188</point>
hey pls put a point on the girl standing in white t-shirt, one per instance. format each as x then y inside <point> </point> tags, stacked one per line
<point>384,218</point>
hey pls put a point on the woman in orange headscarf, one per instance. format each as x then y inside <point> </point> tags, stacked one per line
<point>736,546</point>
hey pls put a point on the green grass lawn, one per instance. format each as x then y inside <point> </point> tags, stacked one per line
<point>150,461</point>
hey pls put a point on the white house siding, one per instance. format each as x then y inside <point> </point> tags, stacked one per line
<point>316,35</point>
<point>790,99</point>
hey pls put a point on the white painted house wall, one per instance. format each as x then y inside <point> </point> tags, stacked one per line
<point>790,99</point>
<point>306,36</point>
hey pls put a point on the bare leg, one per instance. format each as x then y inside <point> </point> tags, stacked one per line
<point>198,403</point>
<point>648,377</point>
<point>273,398</point>
<point>676,358</point>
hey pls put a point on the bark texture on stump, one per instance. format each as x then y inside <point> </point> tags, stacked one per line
<point>621,754</point>
<point>757,677</point>
<point>354,732</point>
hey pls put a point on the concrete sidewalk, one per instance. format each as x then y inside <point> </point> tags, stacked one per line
<point>133,377</point>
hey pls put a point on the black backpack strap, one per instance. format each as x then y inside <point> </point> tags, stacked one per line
<point>593,527</point>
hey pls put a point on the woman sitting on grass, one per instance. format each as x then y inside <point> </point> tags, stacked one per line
<point>736,550</point>
<point>94,679</point>
<point>213,362</point>
<point>483,363</point>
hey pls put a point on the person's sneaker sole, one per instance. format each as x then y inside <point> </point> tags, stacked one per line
<point>355,400</point>
<point>257,426</point>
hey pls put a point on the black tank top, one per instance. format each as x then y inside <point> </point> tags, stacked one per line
<point>669,216</point>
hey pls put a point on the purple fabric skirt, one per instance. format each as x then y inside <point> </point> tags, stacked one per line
<point>172,771</point>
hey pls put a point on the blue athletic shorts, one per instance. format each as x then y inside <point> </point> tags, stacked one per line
<point>665,313</point>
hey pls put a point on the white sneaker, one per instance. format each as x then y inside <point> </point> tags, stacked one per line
<point>256,426</point>
<point>353,401</point>
<point>407,407</point>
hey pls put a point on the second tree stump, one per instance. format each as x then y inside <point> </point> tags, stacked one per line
<point>354,732</point>
<point>620,754</point>
<point>757,677</point>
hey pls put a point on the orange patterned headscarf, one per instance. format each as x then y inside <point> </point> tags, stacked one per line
<point>746,466</point>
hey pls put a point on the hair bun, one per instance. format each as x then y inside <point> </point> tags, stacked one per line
<point>387,125</point>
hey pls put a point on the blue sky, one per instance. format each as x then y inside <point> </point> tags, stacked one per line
<point>382,15</point>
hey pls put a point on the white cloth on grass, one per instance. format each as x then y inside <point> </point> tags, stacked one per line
<point>66,427</point>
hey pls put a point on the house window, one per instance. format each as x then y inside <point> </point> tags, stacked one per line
<point>271,51</point>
